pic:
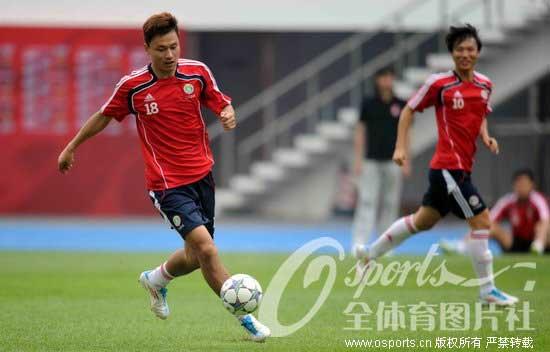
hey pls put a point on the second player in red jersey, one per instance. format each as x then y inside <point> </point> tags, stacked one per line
<point>461,100</point>
<point>460,109</point>
<point>527,212</point>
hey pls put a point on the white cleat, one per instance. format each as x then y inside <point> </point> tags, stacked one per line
<point>159,305</point>
<point>258,331</point>
<point>360,252</point>
<point>499,298</point>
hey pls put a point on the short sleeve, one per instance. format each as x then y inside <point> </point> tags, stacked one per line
<point>117,105</point>
<point>364,117</point>
<point>489,108</point>
<point>426,96</point>
<point>500,211</point>
<point>542,206</point>
<point>212,97</point>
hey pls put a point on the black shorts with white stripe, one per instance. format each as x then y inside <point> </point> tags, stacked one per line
<point>189,206</point>
<point>453,191</point>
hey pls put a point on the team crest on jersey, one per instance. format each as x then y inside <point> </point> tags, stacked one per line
<point>484,94</point>
<point>395,110</point>
<point>188,88</point>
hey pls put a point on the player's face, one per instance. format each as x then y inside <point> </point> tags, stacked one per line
<point>465,54</point>
<point>384,82</point>
<point>523,186</point>
<point>164,51</point>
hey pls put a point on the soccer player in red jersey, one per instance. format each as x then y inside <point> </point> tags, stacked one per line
<point>166,98</point>
<point>461,100</point>
<point>527,212</point>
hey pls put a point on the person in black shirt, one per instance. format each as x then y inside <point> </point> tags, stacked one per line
<point>379,179</point>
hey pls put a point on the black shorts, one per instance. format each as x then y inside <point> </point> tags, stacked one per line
<point>187,207</point>
<point>519,245</point>
<point>453,191</point>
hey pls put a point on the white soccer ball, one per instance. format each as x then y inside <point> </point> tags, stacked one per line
<point>241,294</point>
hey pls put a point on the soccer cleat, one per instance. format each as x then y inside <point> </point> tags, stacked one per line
<point>499,298</point>
<point>359,251</point>
<point>258,331</point>
<point>448,247</point>
<point>159,305</point>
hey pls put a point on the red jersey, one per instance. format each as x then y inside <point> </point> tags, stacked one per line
<point>173,134</point>
<point>460,108</point>
<point>523,215</point>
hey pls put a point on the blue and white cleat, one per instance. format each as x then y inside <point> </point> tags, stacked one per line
<point>498,298</point>
<point>159,305</point>
<point>258,331</point>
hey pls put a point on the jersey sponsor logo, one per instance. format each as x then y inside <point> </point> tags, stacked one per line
<point>149,98</point>
<point>515,218</point>
<point>395,110</point>
<point>188,88</point>
<point>458,101</point>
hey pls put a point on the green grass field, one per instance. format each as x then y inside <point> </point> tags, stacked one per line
<point>57,301</point>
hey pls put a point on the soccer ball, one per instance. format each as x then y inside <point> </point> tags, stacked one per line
<point>241,294</point>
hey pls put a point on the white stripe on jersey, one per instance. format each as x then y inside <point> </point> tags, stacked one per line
<point>482,76</point>
<point>198,63</point>
<point>134,74</point>
<point>540,203</point>
<point>421,93</point>
<point>501,204</point>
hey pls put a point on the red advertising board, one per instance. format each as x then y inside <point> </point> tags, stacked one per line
<point>51,81</point>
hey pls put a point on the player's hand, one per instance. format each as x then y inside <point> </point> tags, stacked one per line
<point>65,160</point>
<point>492,144</point>
<point>537,247</point>
<point>400,156</point>
<point>228,119</point>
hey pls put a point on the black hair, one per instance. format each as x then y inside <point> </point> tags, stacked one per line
<point>387,70</point>
<point>457,35</point>
<point>523,172</point>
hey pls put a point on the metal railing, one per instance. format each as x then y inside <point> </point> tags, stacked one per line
<point>236,155</point>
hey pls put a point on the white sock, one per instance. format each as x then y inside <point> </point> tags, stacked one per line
<point>399,231</point>
<point>160,277</point>
<point>482,258</point>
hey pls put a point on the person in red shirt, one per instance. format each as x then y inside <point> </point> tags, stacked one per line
<point>461,100</point>
<point>527,212</point>
<point>166,98</point>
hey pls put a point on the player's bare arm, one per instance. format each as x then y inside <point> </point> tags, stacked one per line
<point>490,142</point>
<point>95,124</point>
<point>401,153</point>
<point>228,118</point>
<point>541,236</point>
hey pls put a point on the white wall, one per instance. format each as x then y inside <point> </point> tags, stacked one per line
<point>306,15</point>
